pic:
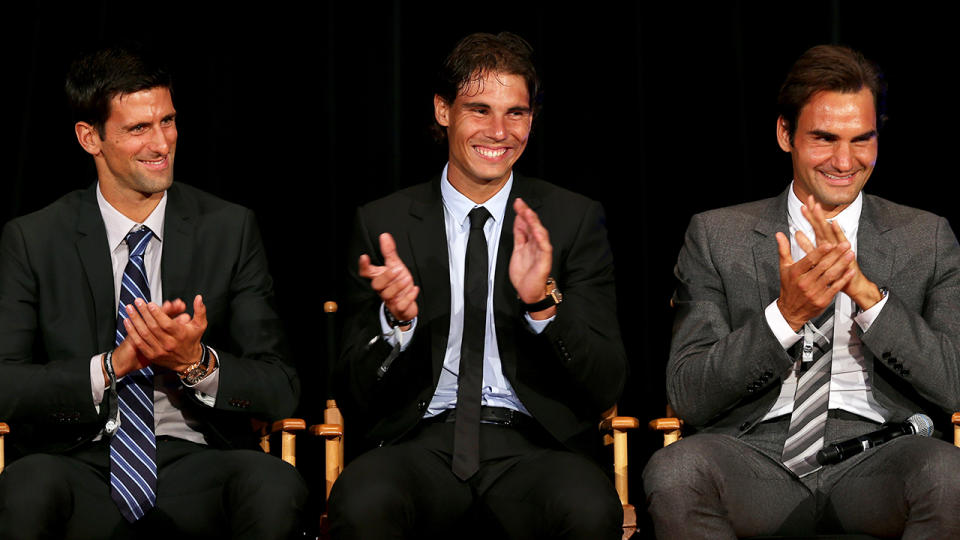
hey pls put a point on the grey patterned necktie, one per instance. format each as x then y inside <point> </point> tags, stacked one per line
<point>811,401</point>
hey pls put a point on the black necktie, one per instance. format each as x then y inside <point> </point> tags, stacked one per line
<point>466,440</point>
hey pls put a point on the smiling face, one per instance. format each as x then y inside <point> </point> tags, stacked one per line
<point>487,129</point>
<point>135,156</point>
<point>834,148</point>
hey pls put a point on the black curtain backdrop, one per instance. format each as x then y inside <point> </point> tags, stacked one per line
<point>302,112</point>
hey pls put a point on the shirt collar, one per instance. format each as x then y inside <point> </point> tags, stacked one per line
<point>119,225</point>
<point>848,218</point>
<point>459,206</point>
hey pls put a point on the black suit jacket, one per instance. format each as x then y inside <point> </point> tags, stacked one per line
<point>57,310</point>
<point>566,376</point>
<point>726,365</point>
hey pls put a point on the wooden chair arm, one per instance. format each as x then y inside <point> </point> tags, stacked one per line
<point>956,429</point>
<point>4,430</point>
<point>619,422</point>
<point>288,439</point>
<point>333,451</point>
<point>665,424</point>
<point>326,431</point>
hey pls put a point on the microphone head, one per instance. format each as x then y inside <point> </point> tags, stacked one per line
<point>922,424</point>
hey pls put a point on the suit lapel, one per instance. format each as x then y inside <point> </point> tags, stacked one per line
<point>505,302</point>
<point>427,238</point>
<point>94,252</point>
<point>178,238</point>
<point>765,256</point>
<point>875,255</point>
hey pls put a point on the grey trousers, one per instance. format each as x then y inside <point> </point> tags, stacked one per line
<point>717,486</point>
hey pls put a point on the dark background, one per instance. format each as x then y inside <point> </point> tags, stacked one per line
<point>302,113</point>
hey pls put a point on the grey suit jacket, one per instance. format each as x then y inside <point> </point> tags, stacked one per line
<point>726,366</point>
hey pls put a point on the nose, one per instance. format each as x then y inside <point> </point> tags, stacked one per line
<point>843,157</point>
<point>496,128</point>
<point>161,138</point>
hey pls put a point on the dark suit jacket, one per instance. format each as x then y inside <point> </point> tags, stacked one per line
<point>726,366</point>
<point>565,377</point>
<point>57,310</point>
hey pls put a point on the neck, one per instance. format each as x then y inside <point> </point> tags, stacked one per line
<point>132,204</point>
<point>477,192</point>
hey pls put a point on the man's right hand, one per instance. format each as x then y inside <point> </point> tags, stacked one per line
<point>126,359</point>
<point>392,281</point>
<point>807,287</point>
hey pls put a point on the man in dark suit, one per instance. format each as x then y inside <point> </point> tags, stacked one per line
<point>79,334</point>
<point>479,380</point>
<point>809,319</point>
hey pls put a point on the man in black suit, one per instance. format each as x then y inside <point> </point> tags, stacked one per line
<point>73,284</point>
<point>809,319</point>
<point>455,303</point>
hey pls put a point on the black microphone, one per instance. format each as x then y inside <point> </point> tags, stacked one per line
<point>918,424</point>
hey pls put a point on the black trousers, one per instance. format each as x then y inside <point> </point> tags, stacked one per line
<point>524,489</point>
<point>716,486</point>
<point>201,493</point>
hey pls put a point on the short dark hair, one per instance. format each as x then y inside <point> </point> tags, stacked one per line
<point>95,78</point>
<point>832,68</point>
<point>480,54</point>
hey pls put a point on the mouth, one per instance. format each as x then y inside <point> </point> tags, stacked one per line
<point>490,153</point>
<point>839,179</point>
<point>157,164</point>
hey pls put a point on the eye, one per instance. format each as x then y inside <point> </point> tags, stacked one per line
<point>167,122</point>
<point>139,128</point>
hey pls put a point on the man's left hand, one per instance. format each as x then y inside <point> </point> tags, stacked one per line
<point>863,291</point>
<point>173,343</point>
<point>531,259</point>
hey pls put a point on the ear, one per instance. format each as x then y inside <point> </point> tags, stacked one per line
<point>783,134</point>
<point>88,138</point>
<point>441,110</point>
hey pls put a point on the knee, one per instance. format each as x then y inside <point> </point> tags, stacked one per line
<point>33,491</point>
<point>588,513</point>
<point>267,487</point>
<point>362,492</point>
<point>681,465</point>
<point>34,481</point>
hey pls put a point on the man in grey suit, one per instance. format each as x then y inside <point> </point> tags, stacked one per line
<point>805,320</point>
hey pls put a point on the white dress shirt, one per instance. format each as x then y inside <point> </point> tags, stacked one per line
<point>496,390</point>
<point>169,419</point>
<point>850,385</point>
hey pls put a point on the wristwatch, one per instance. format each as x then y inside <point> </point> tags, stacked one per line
<point>554,297</point>
<point>194,374</point>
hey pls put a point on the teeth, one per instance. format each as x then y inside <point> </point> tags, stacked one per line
<point>835,177</point>
<point>490,153</point>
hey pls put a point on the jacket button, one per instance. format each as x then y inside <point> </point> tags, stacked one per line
<point>421,405</point>
<point>744,426</point>
<point>905,372</point>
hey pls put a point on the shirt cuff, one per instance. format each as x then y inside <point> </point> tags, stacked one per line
<point>206,390</point>
<point>97,387</point>
<point>535,325</point>
<point>780,327</point>
<point>866,318</point>
<point>387,331</point>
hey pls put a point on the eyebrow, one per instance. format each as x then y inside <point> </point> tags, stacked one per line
<point>480,104</point>
<point>866,136</point>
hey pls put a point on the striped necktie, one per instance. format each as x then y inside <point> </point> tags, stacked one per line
<point>133,448</point>
<point>808,421</point>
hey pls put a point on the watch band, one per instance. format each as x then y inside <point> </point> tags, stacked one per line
<point>554,297</point>
<point>196,373</point>
<point>392,321</point>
